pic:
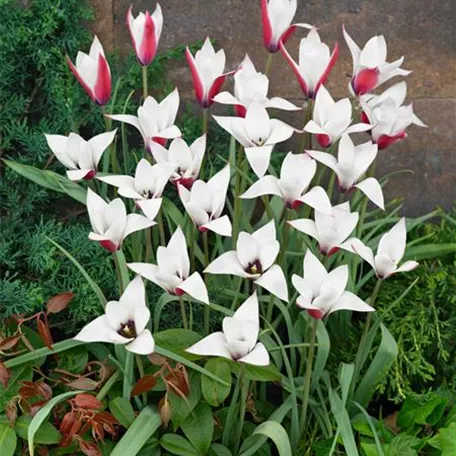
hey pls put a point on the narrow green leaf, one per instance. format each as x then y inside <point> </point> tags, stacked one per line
<point>213,392</point>
<point>277,433</point>
<point>323,348</point>
<point>373,430</point>
<point>198,427</point>
<point>8,440</point>
<point>178,445</point>
<point>46,434</point>
<point>144,427</point>
<point>218,449</point>
<point>429,251</point>
<point>41,416</point>
<point>122,411</point>
<point>18,375</point>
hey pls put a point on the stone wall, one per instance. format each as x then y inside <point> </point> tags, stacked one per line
<point>421,30</point>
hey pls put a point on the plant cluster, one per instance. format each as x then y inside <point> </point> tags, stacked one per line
<point>277,261</point>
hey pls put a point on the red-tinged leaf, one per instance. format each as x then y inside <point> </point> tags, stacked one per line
<point>156,360</point>
<point>144,384</point>
<point>177,381</point>
<point>11,411</point>
<point>36,406</point>
<point>83,383</point>
<point>164,408</point>
<point>105,418</point>
<point>45,390</point>
<point>89,448</point>
<point>4,375</point>
<point>29,390</point>
<point>98,432</point>
<point>67,422</point>
<point>43,451</point>
<point>43,330</point>
<point>87,401</point>
<point>9,342</point>
<point>59,302</point>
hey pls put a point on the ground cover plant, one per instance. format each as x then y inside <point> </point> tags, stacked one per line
<point>283,263</point>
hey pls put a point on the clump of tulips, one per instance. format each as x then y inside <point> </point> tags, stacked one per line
<point>275,259</point>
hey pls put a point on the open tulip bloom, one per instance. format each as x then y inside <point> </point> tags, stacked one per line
<point>145,31</point>
<point>185,160</point>
<point>239,339</point>
<point>315,63</point>
<point>124,322</point>
<point>207,69</point>
<point>205,201</point>
<point>249,86</point>
<point>110,222</point>
<point>277,16</point>
<point>370,68</point>
<point>155,120</point>
<point>350,165</point>
<point>146,188</point>
<point>389,118</point>
<point>254,259</point>
<point>258,134</point>
<point>172,271</point>
<point>322,293</point>
<point>329,230</point>
<point>332,119</point>
<point>295,176</point>
<point>390,252</point>
<point>81,157</point>
<point>93,73</point>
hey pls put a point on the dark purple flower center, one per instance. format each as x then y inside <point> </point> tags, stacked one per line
<point>254,268</point>
<point>128,330</point>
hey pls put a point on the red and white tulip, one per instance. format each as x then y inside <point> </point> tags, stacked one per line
<point>370,68</point>
<point>315,63</point>
<point>145,31</point>
<point>93,73</point>
<point>81,157</point>
<point>208,74</point>
<point>321,293</point>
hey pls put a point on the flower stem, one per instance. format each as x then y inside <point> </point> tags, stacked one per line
<point>192,247</point>
<point>141,375</point>
<point>121,267</point>
<point>244,388</point>
<point>128,375</point>
<point>207,310</point>
<point>205,120</point>
<point>268,66</point>
<point>149,246</point>
<point>144,81</point>
<point>237,192</point>
<point>231,413</point>
<point>308,376</point>
<point>161,228</point>
<point>306,141</point>
<point>183,313</point>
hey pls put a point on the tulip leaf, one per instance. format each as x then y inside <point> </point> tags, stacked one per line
<point>258,373</point>
<point>18,375</point>
<point>429,251</point>
<point>122,411</point>
<point>163,300</point>
<point>198,427</point>
<point>46,434</point>
<point>276,432</point>
<point>143,427</point>
<point>176,444</point>
<point>323,343</point>
<point>213,392</point>
<point>41,416</point>
<point>8,440</point>
<point>182,407</point>
<point>383,360</point>
<point>49,179</point>
<point>177,340</point>
<point>217,449</point>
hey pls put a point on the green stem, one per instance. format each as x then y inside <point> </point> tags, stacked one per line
<point>144,81</point>
<point>183,313</point>
<point>237,192</point>
<point>128,375</point>
<point>308,377</point>
<point>121,267</point>
<point>192,247</point>
<point>207,310</point>
<point>306,141</point>
<point>161,228</point>
<point>141,375</point>
<point>244,387</point>
<point>108,385</point>
<point>205,120</point>
<point>227,434</point>
<point>149,246</point>
<point>267,69</point>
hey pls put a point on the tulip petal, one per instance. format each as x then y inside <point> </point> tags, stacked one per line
<point>349,301</point>
<point>226,263</point>
<point>150,207</point>
<point>257,357</point>
<point>136,222</point>
<point>248,310</point>
<point>80,79</point>
<point>280,131</point>
<point>195,287</point>
<point>318,199</point>
<point>78,174</point>
<point>144,344</point>
<point>99,330</point>
<point>281,103</point>
<point>355,245</point>
<point>226,98</point>
<point>266,233</point>
<point>102,88</point>
<point>407,266</point>
<point>314,274</point>
<point>267,185</point>
<point>98,144</point>
<point>294,66</point>
<point>197,83</point>
<point>212,345</point>
<point>393,243</point>
<point>274,281</point>
<point>134,294</point>
<point>373,190</point>
<point>119,181</point>
<point>221,226</point>
<point>259,158</point>
<point>306,226</point>
<point>129,119</point>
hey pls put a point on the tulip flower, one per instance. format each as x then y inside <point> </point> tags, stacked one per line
<point>93,73</point>
<point>331,119</point>
<point>389,118</point>
<point>155,120</point>
<point>321,293</point>
<point>315,63</point>
<point>350,165</point>
<point>296,174</point>
<point>277,16</point>
<point>390,252</point>
<point>254,259</point>
<point>124,322</point>
<point>330,230</point>
<point>249,86</point>
<point>81,157</point>
<point>172,271</point>
<point>208,75</point>
<point>239,339</point>
<point>186,160</point>
<point>370,68</point>
<point>204,203</point>
<point>257,133</point>
<point>145,31</point>
<point>146,188</point>
<point>110,222</point>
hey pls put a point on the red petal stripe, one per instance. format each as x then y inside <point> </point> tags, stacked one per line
<point>295,69</point>
<point>385,141</point>
<point>148,48</point>
<point>215,88</point>
<point>331,63</point>
<point>267,29</point>
<point>102,89</point>
<point>80,80</point>
<point>365,81</point>
<point>197,84</point>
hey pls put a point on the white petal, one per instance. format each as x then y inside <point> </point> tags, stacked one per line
<point>99,330</point>
<point>212,345</point>
<point>226,98</point>
<point>195,287</point>
<point>267,185</point>
<point>393,242</point>
<point>257,357</point>
<point>266,233</point>
<point>98,144</point>
<point>247,248</point>
<point>77,174</point>
<point>221,226</point>
<point>349,301</point>
<point>136,222</point>
<point>259,158</point>
<point>227,263</point>
<point>355,245</point>
<point>280,132</point>
<point>118,181</point>
<point>318,199</point>
<point>281,103</point>
<point>306,226</point>
<point>141,317</point>
<point>150,207</point>
<point>248,310</point>
<point>129,119</point>
<point>134,294</point>
<point>407,266</point>
<point>373,190</point>
<point>274,281</point>
<point>314,272</point>
<point>323,157</point>
<point>144,344</point>
<point>257,123</point>
<point>235,126</point>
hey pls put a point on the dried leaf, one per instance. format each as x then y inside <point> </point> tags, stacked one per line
<point>11,411</point>
<point>59,302</point>
<point>4,375</point>
<point>9,342</point>
<point>177,381</point>
<point>89,448</point>
<point>143,385</point>
<point>164,408</point>
<point>86,401</point>
<point>83,383</point>
<point>45,333</point>
<point>156,360</point>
